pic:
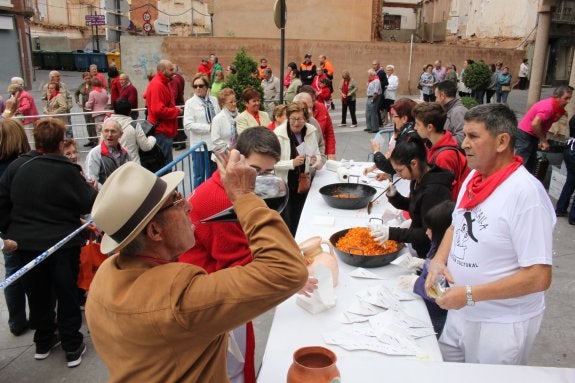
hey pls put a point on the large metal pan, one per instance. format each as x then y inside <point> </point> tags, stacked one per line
<point>367,261</point>
<point>347,196</point>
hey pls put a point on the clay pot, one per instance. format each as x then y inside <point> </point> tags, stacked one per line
<point>314,255</point>
<point>313,365</point>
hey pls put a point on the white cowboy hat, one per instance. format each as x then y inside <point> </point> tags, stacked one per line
<point>129,199</point>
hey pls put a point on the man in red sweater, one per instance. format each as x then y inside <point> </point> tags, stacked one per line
<point>162,110</point>
<point>429,121</point>
<point>220,245</point>
<point>130,93</point>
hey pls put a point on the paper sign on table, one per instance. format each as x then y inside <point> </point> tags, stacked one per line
<point>360,272</point>
<point>323,298</point>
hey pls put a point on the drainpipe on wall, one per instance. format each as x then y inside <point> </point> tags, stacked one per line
<point>409,67</point>
<point>539,54</point>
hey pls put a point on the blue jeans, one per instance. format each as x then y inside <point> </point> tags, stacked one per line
<point>569,187</point>
<point>14,294</point>
<point>526,147</point>
<point>165,144</point>
<point>198,165</point>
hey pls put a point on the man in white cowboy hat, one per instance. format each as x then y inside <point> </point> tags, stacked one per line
<point>153,319</point>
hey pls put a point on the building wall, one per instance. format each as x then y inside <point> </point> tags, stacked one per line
<point>336,20</point>
<point>179,11</point>
<point>141,54</point>
<point>492,18</point>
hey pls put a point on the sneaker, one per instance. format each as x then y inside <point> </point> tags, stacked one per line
<point>342,124</point>
<point>353,126</point>
<point>44,352</point>
<point>74,358</point>
<point>561,214</point>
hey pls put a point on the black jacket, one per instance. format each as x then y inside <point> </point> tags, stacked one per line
<point>42,197</point>
<point>435,187</point>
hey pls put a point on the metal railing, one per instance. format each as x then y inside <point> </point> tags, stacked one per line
<point>184,163</point>
<point>78,125</point>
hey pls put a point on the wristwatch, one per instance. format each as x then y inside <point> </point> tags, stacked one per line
<point>469,296</point>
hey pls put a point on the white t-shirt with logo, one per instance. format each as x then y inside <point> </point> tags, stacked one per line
<point>512,228</point>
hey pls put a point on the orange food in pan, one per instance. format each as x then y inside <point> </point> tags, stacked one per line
<point>344,196</point>
<point>360,238</point>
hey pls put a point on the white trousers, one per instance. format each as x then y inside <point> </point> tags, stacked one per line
<point>485,342</point>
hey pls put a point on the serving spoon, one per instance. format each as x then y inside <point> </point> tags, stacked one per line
<point>370,204</point>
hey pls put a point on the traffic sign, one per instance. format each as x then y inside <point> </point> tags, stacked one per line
<point>147,27</point>
<point>95,20</point>
<point>147,16</point>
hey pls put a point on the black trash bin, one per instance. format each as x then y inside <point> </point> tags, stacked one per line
<point>51,60</point>
<point>67,61</point>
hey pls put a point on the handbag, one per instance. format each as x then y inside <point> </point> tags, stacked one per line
<point>153,160</point>
<point>303,183</point>
<point>90,260</point>
<point>506,88</point>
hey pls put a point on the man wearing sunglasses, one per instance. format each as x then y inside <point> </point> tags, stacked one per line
<point>156,320</point>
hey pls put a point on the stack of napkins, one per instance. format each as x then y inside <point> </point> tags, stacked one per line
<point>376,321</point>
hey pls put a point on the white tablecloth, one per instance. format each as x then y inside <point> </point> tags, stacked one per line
<point>293,327</point>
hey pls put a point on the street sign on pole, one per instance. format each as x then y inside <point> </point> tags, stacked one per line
<point>95,20</point>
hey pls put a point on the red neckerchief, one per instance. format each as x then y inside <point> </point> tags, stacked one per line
<point>256,116</point>
<point>54,94</point>
<point>479,188</point>
<point>345,87</point>
<point>106,152</point>
<point>558,110</point>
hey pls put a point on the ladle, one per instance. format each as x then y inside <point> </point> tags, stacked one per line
<point>370,204</point>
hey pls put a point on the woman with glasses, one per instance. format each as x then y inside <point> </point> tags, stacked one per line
<point>199,113</point>
<point>224,133</point>
<point>428,187</point>
<point>403,126</point>
<point>292,134</point>
<point>252,116</point>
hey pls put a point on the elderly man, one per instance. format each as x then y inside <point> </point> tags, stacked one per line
<point>105,158</point>
<point>445,95</point>
<point>156,320</point>
<point>130,93</point>
<point>271,86</point>
<point>162,110</point>
<point>497,272</point>
<point>536,123</point>
<point>94,73</point>
<point>374,94</point>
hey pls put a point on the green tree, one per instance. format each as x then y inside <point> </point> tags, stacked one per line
<point>246,76</point>
<point>477,76</point>
<point>469,102</point>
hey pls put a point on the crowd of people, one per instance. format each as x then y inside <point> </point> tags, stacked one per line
<point>469,198</point>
